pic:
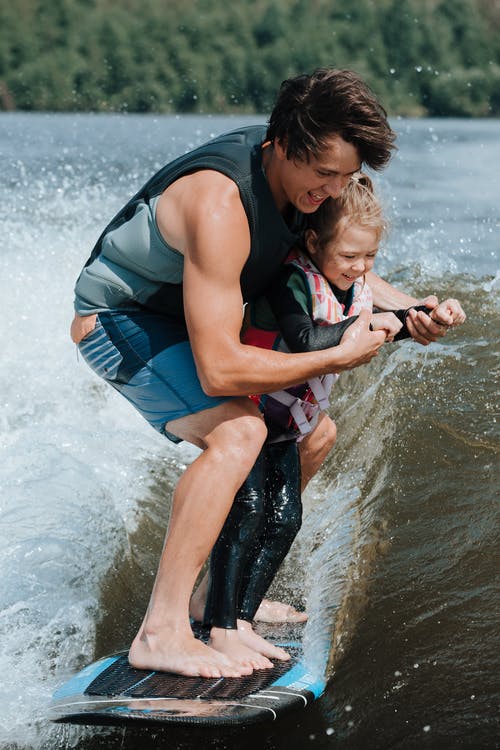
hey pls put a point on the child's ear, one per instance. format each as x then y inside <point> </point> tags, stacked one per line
<point>311,242</point>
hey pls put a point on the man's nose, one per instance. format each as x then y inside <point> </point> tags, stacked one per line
<point>335,185</point>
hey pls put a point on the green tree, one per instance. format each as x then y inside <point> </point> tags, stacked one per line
<point>420,56</point>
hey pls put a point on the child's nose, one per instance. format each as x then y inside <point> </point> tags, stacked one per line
<point>359,266</point>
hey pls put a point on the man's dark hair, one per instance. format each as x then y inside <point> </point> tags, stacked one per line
<point>310,109</point>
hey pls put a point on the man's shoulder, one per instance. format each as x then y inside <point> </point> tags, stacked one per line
<point>225,163</point>
<point>209,190</point>
<point>246,135</point>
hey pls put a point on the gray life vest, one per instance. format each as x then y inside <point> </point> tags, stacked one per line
<point>131,265</point>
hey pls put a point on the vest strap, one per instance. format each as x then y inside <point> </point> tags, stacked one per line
<point>300,409</point>
<point>320,393</point>
<point>295,405</point>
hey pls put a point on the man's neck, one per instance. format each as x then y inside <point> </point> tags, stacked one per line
<point>271,170</point>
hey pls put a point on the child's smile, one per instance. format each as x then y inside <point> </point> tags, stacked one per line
<point>348,256</point>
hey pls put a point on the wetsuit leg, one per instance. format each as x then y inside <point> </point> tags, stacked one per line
<point>282,521</point>
<point>231,550</point>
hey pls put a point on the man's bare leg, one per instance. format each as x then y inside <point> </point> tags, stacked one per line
<point>231,435</point>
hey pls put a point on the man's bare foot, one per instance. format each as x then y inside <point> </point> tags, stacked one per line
<point>170,650</point>
<point>270,611</point>
<point>254,641</point>
<point>228,642</point>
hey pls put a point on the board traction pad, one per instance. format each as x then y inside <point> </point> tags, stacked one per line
<point>122,679</point>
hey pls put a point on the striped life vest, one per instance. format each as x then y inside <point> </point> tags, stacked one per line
<point>297,409</point>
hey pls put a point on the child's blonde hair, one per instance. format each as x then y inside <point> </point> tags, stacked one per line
<point>357,204</point>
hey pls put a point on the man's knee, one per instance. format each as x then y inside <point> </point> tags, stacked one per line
<point>236,423</point>
<point>238,441</point>
<point>248,432</point>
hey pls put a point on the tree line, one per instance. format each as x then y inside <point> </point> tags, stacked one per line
<point>421,57</point>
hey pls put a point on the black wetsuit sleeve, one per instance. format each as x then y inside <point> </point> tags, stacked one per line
<point>299,331</point>
<point>402,315</point>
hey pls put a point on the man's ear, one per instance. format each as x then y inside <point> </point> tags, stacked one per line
<point>280,148</point>
<point>311,242</point>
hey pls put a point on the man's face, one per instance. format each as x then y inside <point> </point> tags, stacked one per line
<point>307,184</point>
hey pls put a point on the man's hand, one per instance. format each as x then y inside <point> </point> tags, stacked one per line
<point>426,328</point>
<point>359,344</point>
<point>82,326</point>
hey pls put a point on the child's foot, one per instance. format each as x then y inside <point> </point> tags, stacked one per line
<point>250,638</point>
<point>270,611</point>
<point>228,642</point>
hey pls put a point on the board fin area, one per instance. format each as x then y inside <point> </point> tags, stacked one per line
<point>110,691</point>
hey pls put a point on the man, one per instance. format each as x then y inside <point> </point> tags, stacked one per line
<point>159,311</point>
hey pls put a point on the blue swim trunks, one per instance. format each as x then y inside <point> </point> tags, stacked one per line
<point>148,359</point>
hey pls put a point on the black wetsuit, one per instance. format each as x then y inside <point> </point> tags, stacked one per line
<point>264,519</point>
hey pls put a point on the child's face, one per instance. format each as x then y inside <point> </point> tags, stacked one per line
<point>350,255</point>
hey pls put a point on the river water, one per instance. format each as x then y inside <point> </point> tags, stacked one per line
<point>397,561</point>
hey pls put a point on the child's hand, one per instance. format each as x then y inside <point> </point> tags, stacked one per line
<point>448,313</point>
<point>387,322</point>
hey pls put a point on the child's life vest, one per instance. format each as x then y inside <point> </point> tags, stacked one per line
<point>296,410</point>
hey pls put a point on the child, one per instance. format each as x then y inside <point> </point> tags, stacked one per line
<point>318,296</point>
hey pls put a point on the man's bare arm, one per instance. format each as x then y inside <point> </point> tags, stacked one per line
<point>422,327</point>
<point>387,297</point>
<point>216,246</point>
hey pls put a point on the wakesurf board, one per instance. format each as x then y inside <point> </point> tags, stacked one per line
<point>110,691</point>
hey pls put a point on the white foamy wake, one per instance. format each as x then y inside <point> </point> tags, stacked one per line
<point>72,469</point>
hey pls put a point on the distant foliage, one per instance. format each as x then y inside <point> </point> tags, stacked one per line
<point>435,57</point>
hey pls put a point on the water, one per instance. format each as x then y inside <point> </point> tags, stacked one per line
<point>398,553</point>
